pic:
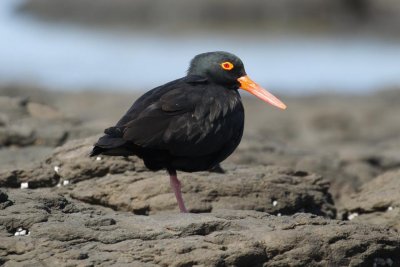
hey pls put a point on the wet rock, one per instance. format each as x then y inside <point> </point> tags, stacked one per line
<point>65,233</point>
<point>272,189</point>
<point>378,202</point>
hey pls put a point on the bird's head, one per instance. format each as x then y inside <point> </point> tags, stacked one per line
<point>228,70</point>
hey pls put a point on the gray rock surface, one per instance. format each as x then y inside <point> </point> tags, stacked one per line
<point>61,232</point>
<point>13,158</point>
<point>349,140</point>
<point>75,164</point>
<point>276,190</point>
<point>347,168</point>
<point>125,184</point>
<point>64,218</point>
<point>71,162</point>
<point>24,123</point>
<point>4,201</point>
<point>378,202</point>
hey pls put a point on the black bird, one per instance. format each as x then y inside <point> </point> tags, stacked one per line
<point>190,124</point>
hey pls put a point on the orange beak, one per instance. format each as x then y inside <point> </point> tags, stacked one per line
<point>247,84</point>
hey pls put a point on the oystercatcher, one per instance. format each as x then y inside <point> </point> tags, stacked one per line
<point>190,124</point>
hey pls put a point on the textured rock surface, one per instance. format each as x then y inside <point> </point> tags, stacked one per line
<point>378,202</point>
<point>61,232</point>
<point>69,162</point>
<point>132,188</point>
<point>75,164</point>
<point>349,140</point>
<point>4,201</point>
<point>277,169</point>
<point>347,169</point>
<point>271,189</point>
<point>24,123</point>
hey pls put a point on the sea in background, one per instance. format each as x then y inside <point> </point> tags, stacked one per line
<point>68,57</point>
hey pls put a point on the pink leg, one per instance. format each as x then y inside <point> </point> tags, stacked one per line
<point>176,186</point>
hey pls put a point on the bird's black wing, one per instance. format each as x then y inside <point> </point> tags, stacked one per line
<point>116,140</point>
<point>148,122</point>
<point>179,117</point>
<point>149,125</point>
<point>175,118</point>
<point>141,105</point>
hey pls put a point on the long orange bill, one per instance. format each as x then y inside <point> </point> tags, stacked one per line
<point>247,84</point>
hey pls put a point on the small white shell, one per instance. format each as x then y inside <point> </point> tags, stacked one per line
<point>57,169</point>
<point>352,216</point>
<point>21,232</point>
<point>24,185</point>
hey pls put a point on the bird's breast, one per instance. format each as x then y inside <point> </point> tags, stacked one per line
<point>216,105</point>
<point>219,116</point>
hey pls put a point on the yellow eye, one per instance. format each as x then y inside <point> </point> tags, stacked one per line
<point>227,65</point>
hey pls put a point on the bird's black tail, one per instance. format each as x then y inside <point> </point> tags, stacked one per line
<point>112,144</point>
<point>96,151</point>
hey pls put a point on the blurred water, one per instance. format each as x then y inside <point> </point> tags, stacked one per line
<point>67,57</point>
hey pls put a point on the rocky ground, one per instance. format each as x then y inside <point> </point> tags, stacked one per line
<point>316,185</point>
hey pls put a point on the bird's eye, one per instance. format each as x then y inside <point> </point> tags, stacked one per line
<point>227,65</point>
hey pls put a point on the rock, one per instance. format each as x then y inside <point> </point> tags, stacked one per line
<point>64,218</point>
<point>38,176</point>
<point>126,184</point>
<point>347,167</point>
<point>62,232</point>
<point>378,202</point>
<point>30,207</point>
<point>348,140</point>
<point>14,158</point>
<point>4,201</point>
<point>74,163</point>
<point>25,123</point>
<point>37,110</point>
<point>69,162</point>
<point>272,189</point>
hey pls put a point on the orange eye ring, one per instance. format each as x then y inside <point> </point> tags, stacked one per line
<point>227,65</point>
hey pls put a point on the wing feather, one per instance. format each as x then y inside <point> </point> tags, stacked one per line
<point>182,118</point>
